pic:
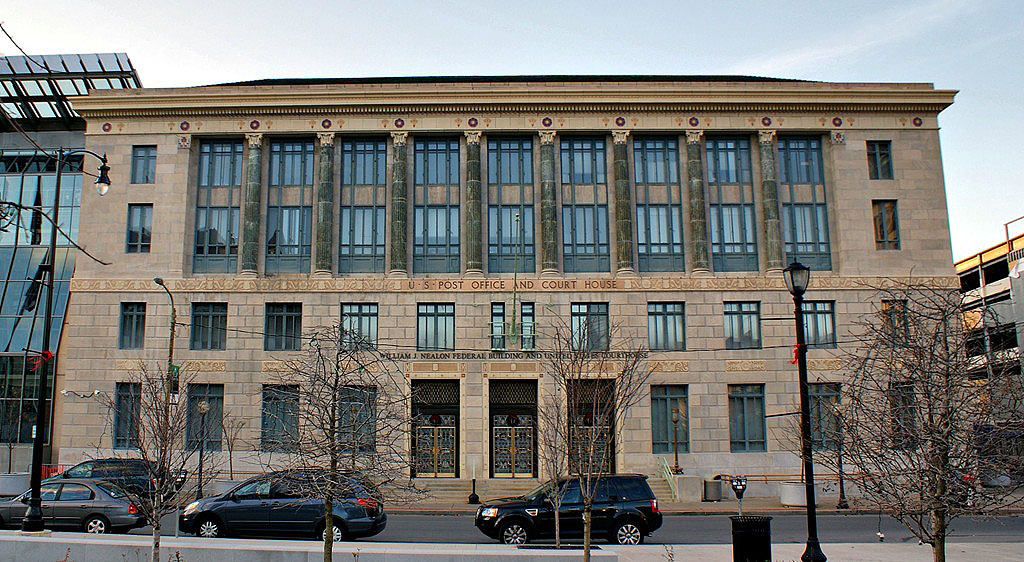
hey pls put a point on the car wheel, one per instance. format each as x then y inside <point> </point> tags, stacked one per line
<point>337,535</point>
<point>513,533</point>
<point>97,525</point>
<point>209,528</point>
<point>627,532</point>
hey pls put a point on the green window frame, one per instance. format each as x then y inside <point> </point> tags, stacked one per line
<point>665,398</point>
<point>747,431</point>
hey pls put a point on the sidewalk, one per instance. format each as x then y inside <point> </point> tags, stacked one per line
<point>751,506</point>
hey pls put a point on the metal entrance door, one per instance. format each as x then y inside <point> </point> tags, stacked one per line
<point>513,446</point>
<point>435,446</point>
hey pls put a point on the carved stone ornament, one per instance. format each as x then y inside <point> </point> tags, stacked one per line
<point>825,364</point>
<point>185,141</point>
<point>838,137</point>
<point>399,137</point>
<point>766,136</point>
<point>620,136</point>
<point>670,366</point>
<point>473,137</point>
<point>326,139</point>
<point>547,137</point>
<point>254,139</point>
<point>694,136</point>
<point>736,365</point>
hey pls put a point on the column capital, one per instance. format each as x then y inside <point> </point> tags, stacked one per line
<point>766,135</point>
<point>399,137</point>
<point>547,136</point>
<point>254,139</point>
<point>326,139</point>
<point>620,136</point>
<point>694,136</point>
<point>473,137</point>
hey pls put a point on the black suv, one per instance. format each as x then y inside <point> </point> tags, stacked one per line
<point>625,511</point>
<point>136,476</point>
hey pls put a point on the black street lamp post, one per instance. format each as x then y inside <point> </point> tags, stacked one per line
<point>33,521</point>
<point>204,407</point>
<point>675,439</point>
<point>797,277</point>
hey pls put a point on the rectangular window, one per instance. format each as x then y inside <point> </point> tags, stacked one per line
<point>731,204</point>
<point>824,398</point>
<point>529,328</point>
<point>359,324</point>
<point>357,420</point>
<point>218,199</point>
<point>880,160</point>
<point>205,412</point>
<point>659,205</point>
<point>140,228</point>
<point>584,206</point>
<point>670,416</point>
<point>283,331</point>
<point>894,321</point>
<point>143,164</point>
<point>589,326</point>
<point>666,326</point>
<point>289,239</point>
<point>497,325</point>
<point>903,412</point>
<point>887,230</point>
<point>289,207</point>
<point>746,418</point>
<point>209,325</point>
<point>279,425</point>
<point>362,206</point>
<point>216,249</point>
<point>742,325</point>
<point>127,406</point>
<point>819,324</point>
<point>435,327</point>
<point>436,207</point>
<point>510,227</point>
<point>133,325</point>
<point>804,205</point>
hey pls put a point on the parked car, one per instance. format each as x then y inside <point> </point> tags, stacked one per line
<point>278,504</point>
<point>90,505</point>
<point>624,511</point>
<point>136,476</point>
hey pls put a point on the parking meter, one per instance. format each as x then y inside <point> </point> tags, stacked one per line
<point>739,486</point>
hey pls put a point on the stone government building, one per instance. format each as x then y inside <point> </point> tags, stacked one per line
<point>409,208</point>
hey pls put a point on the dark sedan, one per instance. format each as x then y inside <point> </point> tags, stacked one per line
<point>275,505</point>
<point>89,505</point>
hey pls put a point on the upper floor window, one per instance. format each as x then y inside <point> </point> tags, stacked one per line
<point>659,202</point>
<point>590,328</point>
<point>887,230</point>
<point>140,227</point>
<point>497,325</point>
<point>666,326</point>
<point>361,218</point>
<point>819,323</point>
<point>879,160</point>
<point>436,207</point>
<point>731,203</point>
<point>510,223</point>
<point>209,325</point>
<point>133,325</point>
<point>359,323</point>
<point>143,164</point>
<point>283,331</point>
<point>895,324</point>
<point>742,325</point>
<point>289,207</point>
<point>220,164</point>
<point>529,325</point>
<point>218,201</point>
<point>804,205</point>
<point>585,246</point>
<point>435,327</point>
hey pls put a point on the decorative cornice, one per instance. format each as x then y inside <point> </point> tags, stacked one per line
<point>620,136</point>
<point>254,140</point>
<point>694,136</point>
<point>766,136</point>
<point>547,137</point>
<point>326,139</point>
<point>399,138</point>
<point>473,137</point>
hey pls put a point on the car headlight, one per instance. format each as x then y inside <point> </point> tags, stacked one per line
<point>489,512</point>
<point>191,508</point>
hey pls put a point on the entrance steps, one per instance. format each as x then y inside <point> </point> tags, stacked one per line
<point>661,488</point>
<point>457,490</point>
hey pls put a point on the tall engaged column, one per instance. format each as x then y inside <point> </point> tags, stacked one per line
<point>623,204</point>
<point>548,205</point>
<point>770,202</point>
<point>399,205</point>
<point>251,209</point>
<point>325,207</point>
<point>698,239</point>
<point>473,232</point>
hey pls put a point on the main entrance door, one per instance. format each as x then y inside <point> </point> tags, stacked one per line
<point>435,439</point>
<point>513,406</point>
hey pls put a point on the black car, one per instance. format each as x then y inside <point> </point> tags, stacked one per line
<point>136,476</point>
<point>276,504</point>
<point>624,511</point>
<point>89,505</point>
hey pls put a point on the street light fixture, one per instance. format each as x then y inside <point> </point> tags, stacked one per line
<point>33,521</point>
<point>797,277</point>
<point>170,385</point>
<point>204,407</point>
<point>675,439</point>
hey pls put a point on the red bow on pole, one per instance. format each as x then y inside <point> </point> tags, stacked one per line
<point>38,360</point>
<point>796,353</point>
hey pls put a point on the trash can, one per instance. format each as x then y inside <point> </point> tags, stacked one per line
<point>712,488</point>
<point>751,538</point>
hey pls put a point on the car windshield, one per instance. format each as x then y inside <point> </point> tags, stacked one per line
<point>111,490</point>
<point>538,491</point>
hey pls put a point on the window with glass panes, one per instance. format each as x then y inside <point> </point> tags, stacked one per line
<point>742,325</point>
<point>127,401</point>
<point>209,325</point>
<point>804,207</point>
<point>279,420</point>
<point>529,326</point>
<point>497,325</point>
<point>903,414</point>
<point>666,326</point>
<point>289,207</point>
<point>357,419</point>
<point>659,205</point>
<point>218,197</point>
<point>731,203</point>
<point>746,418</point>
<point>510,229</point>
<point>894,318</point>
<point>435,327</point>
<point>361,212</point>
<point>359,323</point>
<point>879,160</point>
<point>666,398</point>
<point>584,206</point>
<point>823,400</point>
<point>436,207</point>
<point>589,324</point>
<point>205,428</point>
<point>283,331</point>
<point>140,228</point>
<point>887,229</point>
<point>819,323</point>
<point>143,164</point>
<point>133,326</point>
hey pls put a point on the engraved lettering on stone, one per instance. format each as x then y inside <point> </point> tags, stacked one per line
<point>734,365</point>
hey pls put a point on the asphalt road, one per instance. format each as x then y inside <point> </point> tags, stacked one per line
<point>705,529</point>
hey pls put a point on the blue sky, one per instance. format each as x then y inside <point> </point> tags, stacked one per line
<point>974,46</point>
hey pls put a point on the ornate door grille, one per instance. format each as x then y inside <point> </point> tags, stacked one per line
<point>513,446</point>
<point>434,453</point>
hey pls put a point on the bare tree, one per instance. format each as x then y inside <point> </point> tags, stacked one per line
<point>552,437</point>
<point>231,428</point>
<point>931,417</point>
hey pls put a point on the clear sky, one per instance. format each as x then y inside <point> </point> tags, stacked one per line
<point>974,46</point>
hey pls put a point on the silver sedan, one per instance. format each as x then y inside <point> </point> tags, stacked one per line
<point>88,505</point>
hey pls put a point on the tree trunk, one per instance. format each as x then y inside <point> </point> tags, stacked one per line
<point>155,550</point>
<point>586,532</point>
<point>329,529</point>
<point>938,523</point>
<point>558,526</point>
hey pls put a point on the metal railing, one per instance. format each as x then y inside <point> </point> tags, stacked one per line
<point>666,472</point>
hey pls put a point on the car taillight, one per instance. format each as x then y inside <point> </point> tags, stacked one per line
<point>368,503</point>
<point>132,510</point>
<point>654,506</point>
